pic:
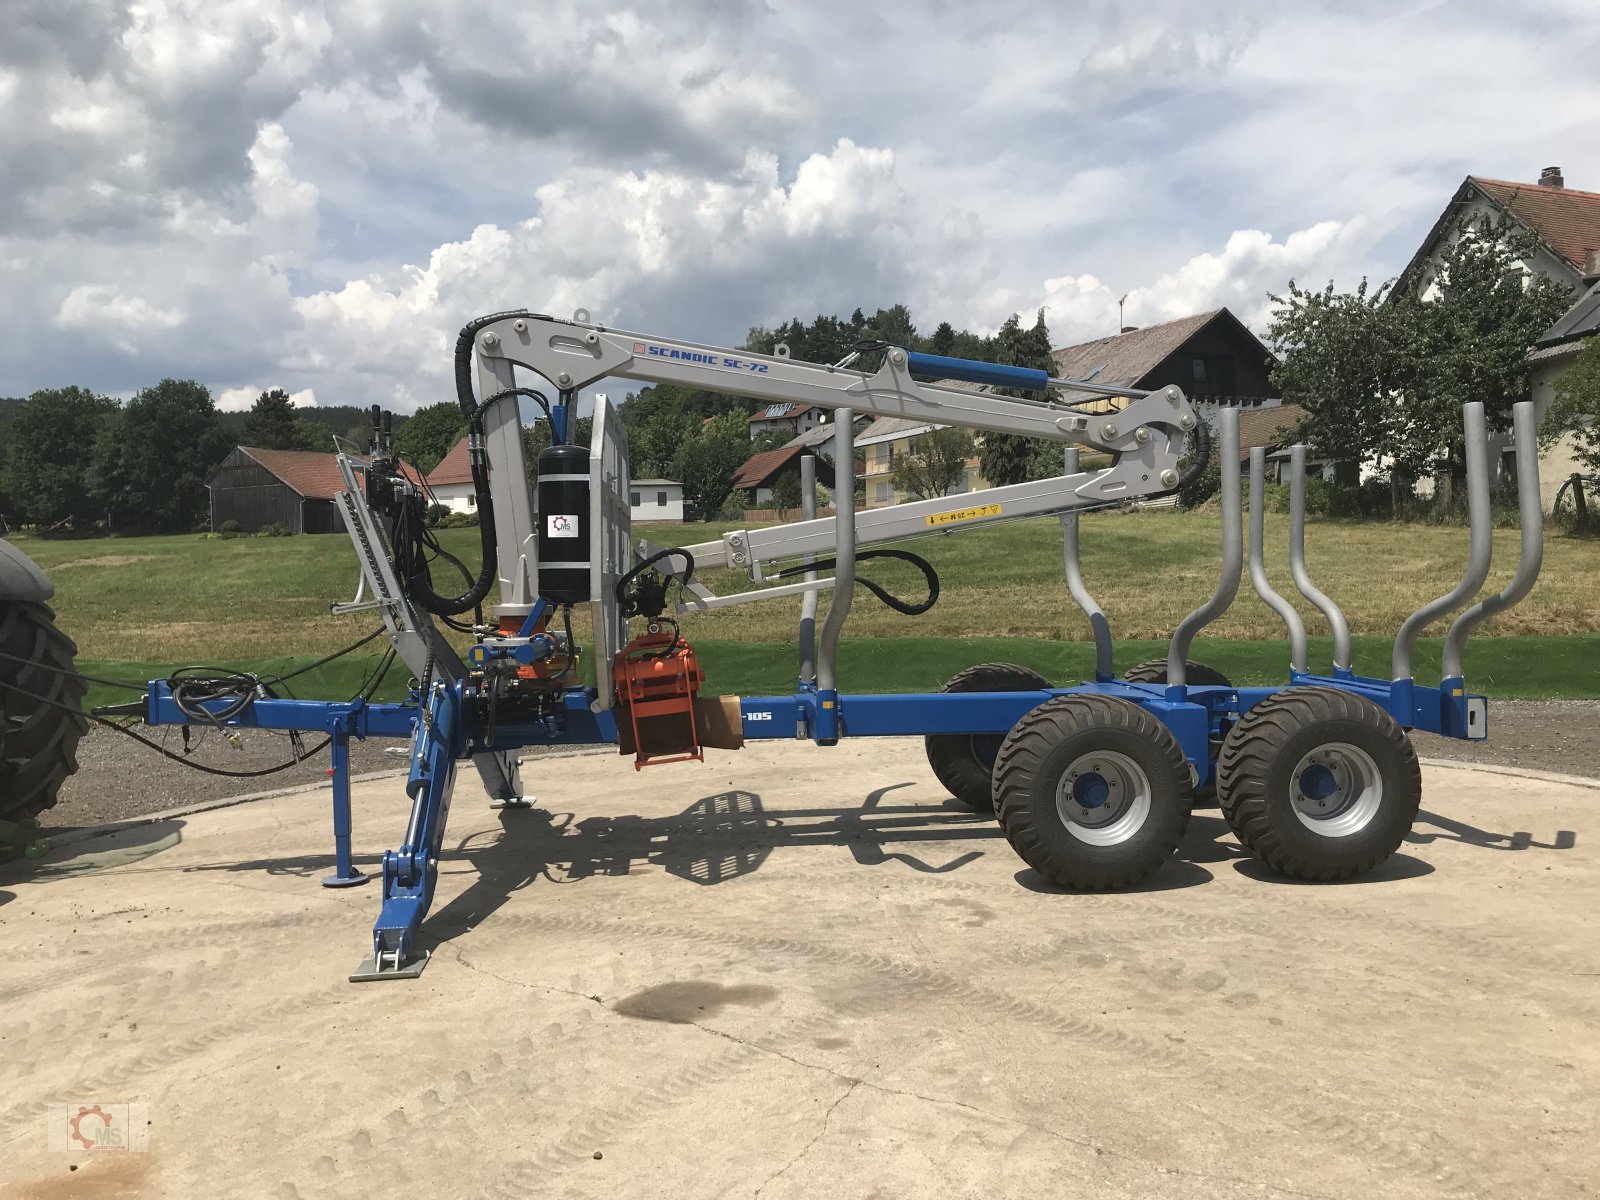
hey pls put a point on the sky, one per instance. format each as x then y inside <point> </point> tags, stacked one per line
<point>316,196</point>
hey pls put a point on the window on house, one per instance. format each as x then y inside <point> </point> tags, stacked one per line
<point>472,500</point>
<point>1211,375</point>
<point>661,499</point>
<point>633,499</point>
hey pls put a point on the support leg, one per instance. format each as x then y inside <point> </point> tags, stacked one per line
<point>498,770</point>
<point>410,873</point>
<point>345,873</point>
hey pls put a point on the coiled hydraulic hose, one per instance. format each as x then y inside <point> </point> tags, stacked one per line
<point>878,590</point>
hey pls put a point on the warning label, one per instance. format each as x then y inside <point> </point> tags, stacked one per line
<point>962,514</point>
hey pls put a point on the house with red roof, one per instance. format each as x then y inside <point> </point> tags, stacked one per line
<point>1566,225</point>
<point>292,488</point>
<point>451,481</point>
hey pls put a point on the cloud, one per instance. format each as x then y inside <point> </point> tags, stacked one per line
<point>316,195</point>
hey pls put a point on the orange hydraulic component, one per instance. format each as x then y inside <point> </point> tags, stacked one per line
<point>657,678</point>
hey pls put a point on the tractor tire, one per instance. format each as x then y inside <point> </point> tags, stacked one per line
<point>1319,783</point>
<point>38,741</point>
<point>1093,791</point>
<point>1196,673</point>
<point>964,763</point>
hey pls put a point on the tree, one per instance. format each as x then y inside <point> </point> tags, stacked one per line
<point>1009,458</point>
<point>1576,409</point>
<point>786,493</point>
<point>707,463</point>
<point>270,423</point>
<point>1344,357</point>
<point>49,470</point>
<point>430,433</point>
<point>1475,339</point>
<point>1384,372</point>
<point>943,340</point>
<point>168,443</point>
<point>310,434</point>
<point>771,439</point>
<point>937,462</point>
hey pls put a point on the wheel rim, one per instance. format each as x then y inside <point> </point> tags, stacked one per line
<point>1103,798</point>
<point>1337,789</point>
<point>986,748</point>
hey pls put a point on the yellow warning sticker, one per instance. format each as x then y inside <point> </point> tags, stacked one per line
<point>962,514</point>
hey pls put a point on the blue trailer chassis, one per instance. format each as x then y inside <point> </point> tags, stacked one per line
<point>442,733</point>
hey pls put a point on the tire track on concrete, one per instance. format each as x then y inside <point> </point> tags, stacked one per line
<point>901,977</point>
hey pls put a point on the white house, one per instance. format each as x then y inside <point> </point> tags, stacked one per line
<point>451,480</point>
<point>786,418</point>
<point>1566,223</point>
<point>655,500</point>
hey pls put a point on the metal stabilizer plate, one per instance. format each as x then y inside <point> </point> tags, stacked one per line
<point>513,802</point>
<point>369,972</point>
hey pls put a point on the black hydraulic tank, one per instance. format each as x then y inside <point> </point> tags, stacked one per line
<point>564,536</point>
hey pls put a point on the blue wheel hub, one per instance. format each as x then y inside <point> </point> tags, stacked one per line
<point>1091,789</point>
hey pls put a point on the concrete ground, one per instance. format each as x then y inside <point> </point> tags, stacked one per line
<point>795,972</point>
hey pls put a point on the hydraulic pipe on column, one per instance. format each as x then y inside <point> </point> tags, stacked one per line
<point>1297,562</point>
<point>1104,672</point>
<point>1232,559</point>
<point>1298,653</point>
<point>844,574</point>
<point>1531,510</point>
<point>807,639</point>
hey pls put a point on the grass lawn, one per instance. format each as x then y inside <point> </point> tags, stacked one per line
<point>138,606</point>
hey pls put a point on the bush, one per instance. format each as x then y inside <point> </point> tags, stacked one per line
<point>231,529</point>
<point>458,520</point>
<point>273,529</point>
<point>437,513</point>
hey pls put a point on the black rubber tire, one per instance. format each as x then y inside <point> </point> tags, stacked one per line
<point>964,763</point>
<point>1196,673</point>
<point>1254,782</point>
<point>1036,755</point>
<point>38,742</point>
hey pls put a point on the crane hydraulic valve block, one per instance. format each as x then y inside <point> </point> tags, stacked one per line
<point>657,678</point>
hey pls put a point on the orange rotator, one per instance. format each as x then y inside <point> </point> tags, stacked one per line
<point>657,678</point>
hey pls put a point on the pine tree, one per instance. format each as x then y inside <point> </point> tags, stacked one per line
<point>270,423</point>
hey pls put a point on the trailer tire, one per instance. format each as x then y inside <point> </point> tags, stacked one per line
<point>1197,674</point>
<point>38,742</point>
<point>964,763</point>
<point>1319,783</point>
<point>1093,791</point>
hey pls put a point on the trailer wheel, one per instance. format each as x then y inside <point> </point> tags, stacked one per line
<point>1093,791</point>
<point>1319,783</point>
<point>38,741</point>
<point>964,763</point>
<point>1196,673</point>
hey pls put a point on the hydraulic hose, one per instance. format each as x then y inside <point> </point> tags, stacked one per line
<point>420,585</point>
<point>1199,459</point>
<point>878,590</point>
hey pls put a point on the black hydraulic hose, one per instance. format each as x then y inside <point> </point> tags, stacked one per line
<point>882,593</point>
<point>1199,459</point>
<point>419,585</point>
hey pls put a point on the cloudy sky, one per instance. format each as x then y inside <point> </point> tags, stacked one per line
<point>317,195</point>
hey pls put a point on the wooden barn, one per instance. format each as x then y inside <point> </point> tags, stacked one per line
<point>294,488</point>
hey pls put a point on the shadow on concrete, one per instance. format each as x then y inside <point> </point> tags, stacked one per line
<point>1445,829</point>
<point>117,847</point>
<point>1393,870</point>
<point>1172,875</point>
